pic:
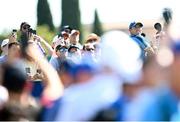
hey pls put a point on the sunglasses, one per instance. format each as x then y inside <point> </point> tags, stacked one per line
<point>26,27</point>
<point>89,49</point>
<point>63,50</point>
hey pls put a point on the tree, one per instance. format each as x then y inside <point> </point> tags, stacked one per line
<point>71,14</point>
<point>44,16</point>
<point>97,27</point>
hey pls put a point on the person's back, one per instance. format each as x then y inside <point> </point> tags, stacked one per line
<point>19,104</point>
<point>17,112</point>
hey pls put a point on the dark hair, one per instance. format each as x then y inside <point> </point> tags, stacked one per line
<point>58,47</point>
<point>13,78</point>
<point>22,24</point>
<point>13,43</point>
<point>73,46</point>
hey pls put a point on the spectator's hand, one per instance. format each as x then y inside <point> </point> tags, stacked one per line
<point>59,41</point>
<point>37,76</point>
<point>33,52</point>
<point>149,50</point>
<point>29,77</point>
<point>54,88</point>
<point>12,38</point>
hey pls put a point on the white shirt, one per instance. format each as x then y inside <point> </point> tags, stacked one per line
<point>3,95</point>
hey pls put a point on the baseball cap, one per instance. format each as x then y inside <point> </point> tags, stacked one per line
<point>135,24</point>
<point>75,32</point>
<point>132,24</point>
<point>93,37</point>
<point>67,29</point>
<point>83,68</point>
<point>123,57</point>
<point>73,46</point>
<point>4,42</point>
<point>138,24</point>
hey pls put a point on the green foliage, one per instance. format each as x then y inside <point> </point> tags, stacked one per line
<point>71,15</point>
<point>44,32</point>
<point>97,27</point>
<point>44,16</point>
<point>2,37</point>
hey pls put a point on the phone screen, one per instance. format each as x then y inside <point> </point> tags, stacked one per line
<point>28,71</point>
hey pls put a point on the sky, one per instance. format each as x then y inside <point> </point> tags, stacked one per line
<point>13,12</point>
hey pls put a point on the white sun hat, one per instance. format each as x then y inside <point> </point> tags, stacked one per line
<point>122,55</point>
<point>4,42</point>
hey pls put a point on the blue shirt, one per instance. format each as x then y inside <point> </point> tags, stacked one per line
<point>165,105</point>
<point>3,59</point>
<point>142,42</point>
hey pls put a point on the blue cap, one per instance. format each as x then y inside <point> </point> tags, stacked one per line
<point>82,68</point>
<point>132,24</point>
<point>66,66</point>
<point>176,47</point>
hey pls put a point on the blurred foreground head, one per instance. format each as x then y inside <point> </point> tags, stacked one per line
<point>13,78</point>
<point>121,55</point>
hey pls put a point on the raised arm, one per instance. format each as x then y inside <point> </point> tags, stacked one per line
<point>48,46</point>
<point>54,87</point>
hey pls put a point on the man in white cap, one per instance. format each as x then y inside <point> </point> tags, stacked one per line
<point>74,38</point>
<point>4,48</point>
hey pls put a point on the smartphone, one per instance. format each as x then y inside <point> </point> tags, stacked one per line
<point>28,71</point>
<point>14,31</point>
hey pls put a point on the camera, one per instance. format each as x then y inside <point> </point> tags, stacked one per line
<point>30,30</point>
<point>158,27</point>
<point>14,30</point>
